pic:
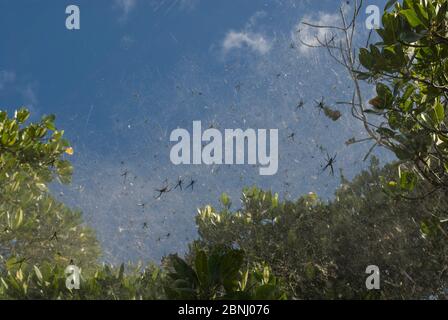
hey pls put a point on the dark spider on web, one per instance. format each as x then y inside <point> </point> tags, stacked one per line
<point>54,236</point>
<point>320,104</point>
<point>162,191</point>
<point>291,136</point>
<point>300,104</point>
<point>20,262</point>
<point>330,162</point>
<point>179,184</point>
<point>191,184</point>
<point>125,175</point>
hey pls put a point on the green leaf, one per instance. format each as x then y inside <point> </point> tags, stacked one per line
<point>22,115</point>
<point>386,132</point>
<point>439,111</point>
<point>389,4</point>
<point>266,275</point>
<point>365,58</point>
<point>201,265</point>
<point>401,153</point>
<point>385,96</point>
<point>362,75</point>
<point>409,36</point>
<point>225,200</point>
<point>19,217</point>
<point>121,272</point>
<point>38,273</point>
<point>411,16</point>
<point>48,122</point>
<point>408,180</point>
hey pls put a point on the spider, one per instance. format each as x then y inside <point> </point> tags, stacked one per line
<point>291,136</point>
<point>320,104</point>
<point>20,262</point>
<point>330,162</point>
<point>163,190</point>
<point>180,181</point>
<point>54,236</point>
<point>300,104</point>
<point>125,175</point>
<point>238,87</point>
<point>191,184</point>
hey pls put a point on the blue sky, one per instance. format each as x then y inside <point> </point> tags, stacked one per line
<point>139,69</point>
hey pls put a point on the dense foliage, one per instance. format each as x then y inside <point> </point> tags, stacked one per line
<point>409,66</point>
<point>219,274</point>
<point>40,236</point>
<point>322,249</point>
<point>34,227</point>
<point>268,248</point>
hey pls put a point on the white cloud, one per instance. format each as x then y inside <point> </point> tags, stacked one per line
<point>309,35</point>
<point>255,41</point>
<point>30,96</point>
<point>27,91</point>
<point>6,77</point>
<point>126,6</point>
<point>254,19</point>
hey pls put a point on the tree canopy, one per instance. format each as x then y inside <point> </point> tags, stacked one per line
<point>268,248</point>
<point>321,249</point>
<point>409,66</point>
<point>34,227</point>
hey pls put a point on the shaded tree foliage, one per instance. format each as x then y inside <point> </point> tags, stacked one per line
<point>269,249</point>
<point>408,65</point>
<point>34,227</point>
<point>322,249</point>
<point>40,236</point>
<point>218,274</point>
